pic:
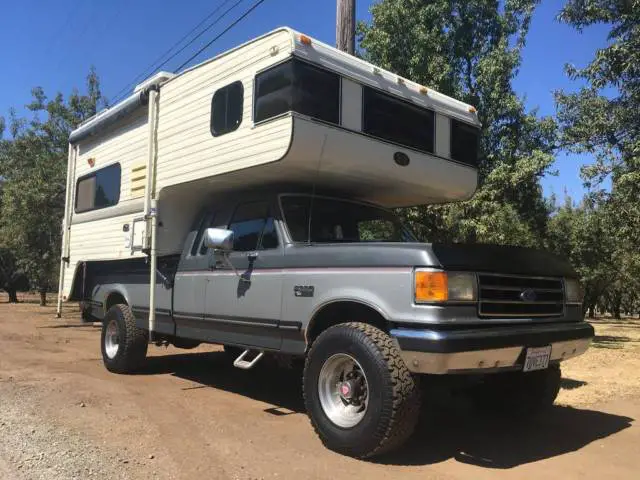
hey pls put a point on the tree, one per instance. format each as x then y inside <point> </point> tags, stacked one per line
<point>583,234</point>
<point>33,163</point>
<point>471,50</point>
<point>603,119</point>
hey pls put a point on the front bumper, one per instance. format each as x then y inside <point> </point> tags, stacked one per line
<point>484,349</point>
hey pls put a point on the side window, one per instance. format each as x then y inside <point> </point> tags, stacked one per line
<point>300,87</point>
<point>205,222</point>
<point>226,109</point>
<point>99,189</point>
<point>465,141</point>
<point>210,222</point>
<point>253,227</point>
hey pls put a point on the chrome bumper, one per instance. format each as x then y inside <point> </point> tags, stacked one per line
<point>475,351</point>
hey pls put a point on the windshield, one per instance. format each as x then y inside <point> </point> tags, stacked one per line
<point>338,221</point>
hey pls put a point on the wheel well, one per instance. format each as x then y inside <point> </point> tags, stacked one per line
<point>114,299</point>
<point>343,312</point>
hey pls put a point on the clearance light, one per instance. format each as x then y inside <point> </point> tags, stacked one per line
<point>472,110</point>
<point>437,286</point>
<point>424,90</point>
<point>305,40</point>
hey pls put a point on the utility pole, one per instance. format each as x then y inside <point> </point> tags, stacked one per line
<point>346,26</point>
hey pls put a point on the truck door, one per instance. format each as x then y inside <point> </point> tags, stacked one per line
<point>190,284</point>
<point>243,307</point>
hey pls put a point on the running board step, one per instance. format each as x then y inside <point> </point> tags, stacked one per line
<point>240,362</point>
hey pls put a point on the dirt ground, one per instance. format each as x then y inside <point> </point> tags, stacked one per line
<point>192,415</point>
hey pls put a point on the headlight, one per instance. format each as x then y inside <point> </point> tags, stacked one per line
<point>573,292</point>
<point>437,286</point>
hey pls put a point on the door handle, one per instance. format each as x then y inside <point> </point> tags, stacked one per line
<point>252,255</point>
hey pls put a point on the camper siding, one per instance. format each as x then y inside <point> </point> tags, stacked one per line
<point>103,239</point>
<point>186,148</point>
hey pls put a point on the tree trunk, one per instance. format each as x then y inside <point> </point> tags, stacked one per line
<point>591,311</point>
<point>616,310</point>
<point>43,297</point>
<point>13,295</point>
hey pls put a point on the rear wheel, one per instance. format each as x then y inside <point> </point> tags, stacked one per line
<point>124,345</point>
<point>361,398</point>
<point>518,392</point>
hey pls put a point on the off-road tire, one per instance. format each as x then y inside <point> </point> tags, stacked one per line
<point>519,393</point>
<point>394,393</point>
<point>132,341</point>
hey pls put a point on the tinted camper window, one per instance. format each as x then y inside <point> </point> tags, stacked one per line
<point>99,189</point>
<point>396,120</point>
<point>296,86</point>
<point>465,140</point>
<point>226,109</point>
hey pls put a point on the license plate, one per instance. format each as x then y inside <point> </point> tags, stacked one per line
<point>537,358</point>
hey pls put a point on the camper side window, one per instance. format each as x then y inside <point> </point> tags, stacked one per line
<point>299,87</point>
<point>465,140</point>
<point>99,189</point>
<point>397,120</point>
<point>226,109</point>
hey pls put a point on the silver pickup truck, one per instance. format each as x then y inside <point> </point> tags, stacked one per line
<point>347,287</point>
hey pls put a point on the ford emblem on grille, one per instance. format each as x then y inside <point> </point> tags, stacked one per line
<point>528,295</point>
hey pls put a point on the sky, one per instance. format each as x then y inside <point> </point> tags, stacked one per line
<point>53,44</point>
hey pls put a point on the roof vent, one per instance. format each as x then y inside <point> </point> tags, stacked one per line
<point>157,79</point>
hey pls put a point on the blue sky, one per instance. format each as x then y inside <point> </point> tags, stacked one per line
<point>53,45</point>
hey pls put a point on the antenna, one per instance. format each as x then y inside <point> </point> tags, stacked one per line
<point>315,182</point>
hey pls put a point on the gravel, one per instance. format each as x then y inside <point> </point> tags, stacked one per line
<point>33,447</point>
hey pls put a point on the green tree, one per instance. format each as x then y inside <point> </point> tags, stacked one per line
<point>603,119</point>
<point>583,234</point>
<point>471,50</point>
<point>33,163</point>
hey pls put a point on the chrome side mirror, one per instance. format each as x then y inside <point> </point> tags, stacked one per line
<point>219,239</point>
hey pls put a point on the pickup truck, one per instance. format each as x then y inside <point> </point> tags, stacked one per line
<point>346,287</point>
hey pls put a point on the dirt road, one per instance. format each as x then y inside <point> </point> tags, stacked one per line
<point>191,415</point>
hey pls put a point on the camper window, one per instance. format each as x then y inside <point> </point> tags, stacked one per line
<point>99,189</point>
<point>464,142</point>
<point>226,109</point>
<point>253,227</point>
<point>299,87</point>
<point>397,121</point>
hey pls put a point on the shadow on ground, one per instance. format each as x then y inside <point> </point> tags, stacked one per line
<point>611,341</point>
<point>449,428</point>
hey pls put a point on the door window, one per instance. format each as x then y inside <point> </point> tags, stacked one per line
<point>253,227</point>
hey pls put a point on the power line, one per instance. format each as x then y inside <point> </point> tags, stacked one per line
<point>233,24</point>
<point>160,61</point>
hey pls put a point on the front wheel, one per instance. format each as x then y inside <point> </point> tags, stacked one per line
<point>361,398</point>
<point>124,345</point>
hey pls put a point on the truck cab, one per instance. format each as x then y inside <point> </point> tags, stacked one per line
<point>345,284</point>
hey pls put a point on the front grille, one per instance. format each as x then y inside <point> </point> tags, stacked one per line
<point>514,296</point>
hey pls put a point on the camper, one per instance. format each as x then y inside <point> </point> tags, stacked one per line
<point>248,202</point>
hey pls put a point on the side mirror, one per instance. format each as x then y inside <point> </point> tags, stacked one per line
<point>219,239</point>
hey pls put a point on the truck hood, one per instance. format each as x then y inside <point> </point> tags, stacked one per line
<point>467,257</point>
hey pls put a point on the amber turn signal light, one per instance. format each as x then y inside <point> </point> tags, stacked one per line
<point>431,286</point>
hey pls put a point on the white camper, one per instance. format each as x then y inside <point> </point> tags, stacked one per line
<point>282,108</point>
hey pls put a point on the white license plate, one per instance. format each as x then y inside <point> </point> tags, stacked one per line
<point>537,358</point>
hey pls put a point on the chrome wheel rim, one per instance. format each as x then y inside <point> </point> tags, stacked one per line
<point>111,339</point>
<point>343,390</point>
